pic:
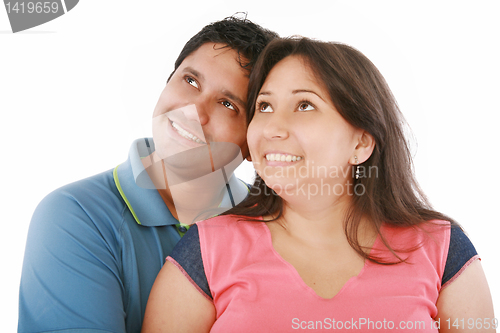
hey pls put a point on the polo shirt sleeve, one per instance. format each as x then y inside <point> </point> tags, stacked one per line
<point>71,279</point>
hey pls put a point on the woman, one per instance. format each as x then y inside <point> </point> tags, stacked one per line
<point>336,233</point>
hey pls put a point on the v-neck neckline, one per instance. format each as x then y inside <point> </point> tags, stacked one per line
<point>299,279</point>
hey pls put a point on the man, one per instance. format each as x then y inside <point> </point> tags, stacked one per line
<point>95,247</point>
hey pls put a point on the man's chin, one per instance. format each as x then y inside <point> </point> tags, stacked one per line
<point>190,164</point>
<point>187,165</point>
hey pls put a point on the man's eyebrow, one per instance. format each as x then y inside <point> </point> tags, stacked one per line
<point>235,98</point>
<point>195,73</point>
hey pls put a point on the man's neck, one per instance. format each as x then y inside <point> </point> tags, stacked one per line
<point>187,200</point>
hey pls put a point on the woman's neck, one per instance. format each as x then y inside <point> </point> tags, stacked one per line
<point>316,223</point>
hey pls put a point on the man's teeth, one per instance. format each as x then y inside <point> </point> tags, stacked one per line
<point>282,158</point>
<point>186,134</point>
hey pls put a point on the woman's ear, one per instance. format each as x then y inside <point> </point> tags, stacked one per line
<point>365,146</point>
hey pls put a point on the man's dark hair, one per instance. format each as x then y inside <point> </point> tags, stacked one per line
<point>240,34</point>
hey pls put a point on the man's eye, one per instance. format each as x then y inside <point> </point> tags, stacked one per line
<point>192,82</point>
<point>228,105</point>
<point>264,107</point>
<point>305,106</point>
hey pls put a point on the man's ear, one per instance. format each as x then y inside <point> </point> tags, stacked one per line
<point>364,148</point>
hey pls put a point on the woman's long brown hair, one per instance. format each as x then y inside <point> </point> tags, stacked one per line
<point>361,95</point>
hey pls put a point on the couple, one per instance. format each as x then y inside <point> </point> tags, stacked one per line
<point>283,258</point>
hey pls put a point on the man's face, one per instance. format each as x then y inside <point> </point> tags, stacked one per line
<point>203,102</point>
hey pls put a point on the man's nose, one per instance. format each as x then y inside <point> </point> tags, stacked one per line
<point>203,108</point>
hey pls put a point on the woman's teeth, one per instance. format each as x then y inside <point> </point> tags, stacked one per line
<point>186,134</point>
<point>282,158</point>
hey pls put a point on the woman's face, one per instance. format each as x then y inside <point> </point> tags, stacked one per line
<point>300,145</point>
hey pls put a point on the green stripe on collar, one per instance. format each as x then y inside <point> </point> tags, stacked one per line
<point>118,186</point>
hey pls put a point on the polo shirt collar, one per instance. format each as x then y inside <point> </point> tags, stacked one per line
<point>142,197</point>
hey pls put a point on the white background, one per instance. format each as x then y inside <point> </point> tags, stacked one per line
<point>75,92</point>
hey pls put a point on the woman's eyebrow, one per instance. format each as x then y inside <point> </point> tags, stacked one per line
<point>298,91</point>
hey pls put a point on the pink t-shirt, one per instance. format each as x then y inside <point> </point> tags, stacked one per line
<point>255,290</point>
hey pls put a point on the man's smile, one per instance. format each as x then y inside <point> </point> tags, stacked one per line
<point>185,134</point>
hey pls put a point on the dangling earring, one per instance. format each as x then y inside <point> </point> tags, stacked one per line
<point>357,167</point>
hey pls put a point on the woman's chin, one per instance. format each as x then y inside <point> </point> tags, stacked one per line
<point>284,188</point>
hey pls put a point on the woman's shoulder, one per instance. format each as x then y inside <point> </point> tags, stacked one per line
<point>230,226</point>
<point>433,229</point>
<point>219,220</point>
<point>428,241</point>
<point>442,242</point>
<point>230,221</point>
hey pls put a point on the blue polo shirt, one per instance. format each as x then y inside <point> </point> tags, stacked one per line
<point>94,249</point>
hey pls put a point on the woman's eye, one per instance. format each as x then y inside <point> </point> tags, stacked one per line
<point>192,81</point>
<point>305,107</point>
<point>264,107</point>
<point>228,105</point>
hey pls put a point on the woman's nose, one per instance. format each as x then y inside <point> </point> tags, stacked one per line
<point>276,127</point>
